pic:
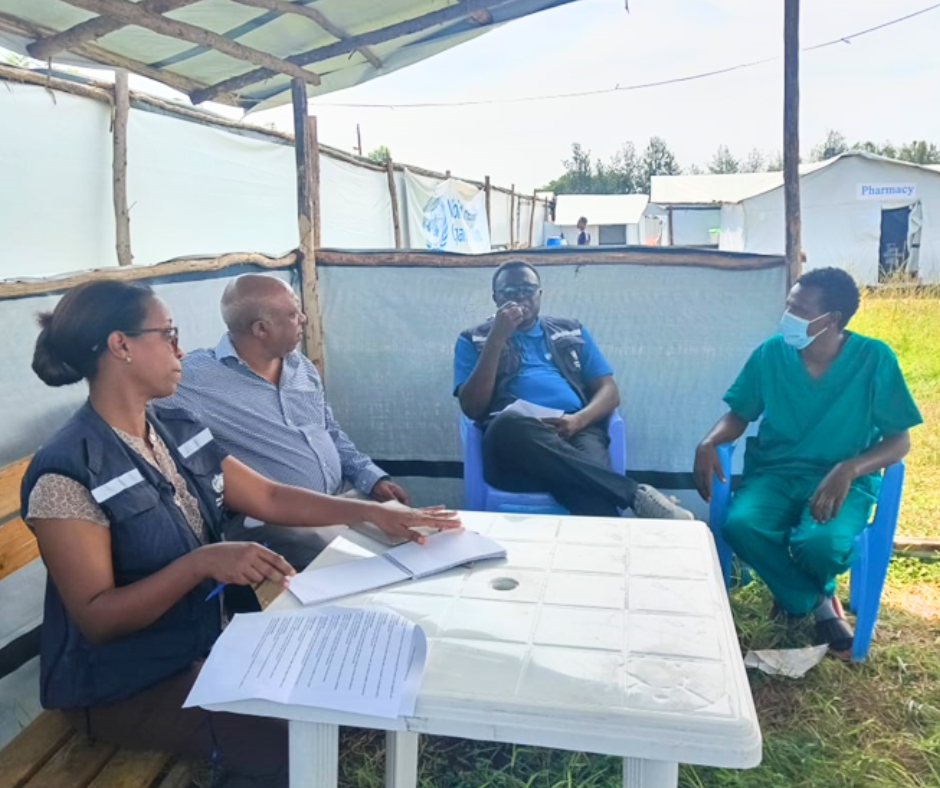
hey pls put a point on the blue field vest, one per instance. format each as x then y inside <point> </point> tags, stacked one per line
<point>563,338</point>
<point>148,532</point>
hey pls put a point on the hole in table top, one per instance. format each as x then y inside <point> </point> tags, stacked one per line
<point>504,584</point>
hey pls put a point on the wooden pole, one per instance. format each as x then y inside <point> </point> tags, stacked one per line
<point>532,220</point>
<point>672,238</point>
<point>512,217</point>
<point>304,150</point>
<point>791,135</point>
<point>135,14</point>
<point>93,29</point>
<point>393,194</point>
<point>442,16</point>
<point>489,216</point>
<point>122,219</point>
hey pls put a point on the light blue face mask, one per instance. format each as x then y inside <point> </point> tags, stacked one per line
<point>795,330</point>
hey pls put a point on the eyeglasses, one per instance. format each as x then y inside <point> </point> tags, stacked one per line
<point>171,334</point>
<point>517,292</point>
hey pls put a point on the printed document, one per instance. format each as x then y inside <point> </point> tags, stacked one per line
<point>361,660</point>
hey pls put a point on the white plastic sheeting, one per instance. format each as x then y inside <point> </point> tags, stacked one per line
<point>193,190</point>
<point>55,170</point>
<point>665,330</point>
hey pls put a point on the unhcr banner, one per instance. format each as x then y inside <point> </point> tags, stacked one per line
<point>446,216</point>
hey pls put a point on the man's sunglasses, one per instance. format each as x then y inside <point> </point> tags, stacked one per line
<point>170,334</point>
<point>517,292</point>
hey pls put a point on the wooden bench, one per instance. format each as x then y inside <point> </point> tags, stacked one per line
<point>49,753</point>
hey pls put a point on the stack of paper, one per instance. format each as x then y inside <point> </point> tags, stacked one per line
<point>365,661</point>
<point>409,561</point>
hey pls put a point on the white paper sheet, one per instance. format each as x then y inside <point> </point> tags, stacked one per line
<point>444,551</point>
<point>365,661</point>
<point>532,410</point>
<point>794,663</point>
<point>334,582</point>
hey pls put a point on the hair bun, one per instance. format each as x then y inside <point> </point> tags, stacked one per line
<point>51,368</point>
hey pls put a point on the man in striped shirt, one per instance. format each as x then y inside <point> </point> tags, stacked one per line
<point>265,404</point>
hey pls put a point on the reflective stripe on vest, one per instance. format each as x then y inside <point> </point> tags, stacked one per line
<point>109,489</point>
<point>195,444</point>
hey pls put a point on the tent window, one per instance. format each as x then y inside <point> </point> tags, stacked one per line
<point>612,235</point>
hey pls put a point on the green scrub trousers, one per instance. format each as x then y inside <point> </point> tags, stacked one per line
<point>808,425</point>
<point>770,528</point>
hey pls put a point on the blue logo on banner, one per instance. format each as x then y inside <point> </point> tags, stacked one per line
<point>435,224</point>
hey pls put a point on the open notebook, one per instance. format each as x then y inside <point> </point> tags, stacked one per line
<point>410,561</point>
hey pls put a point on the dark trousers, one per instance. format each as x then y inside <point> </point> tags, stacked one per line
<point>251,750</point>
<point>522,454</point>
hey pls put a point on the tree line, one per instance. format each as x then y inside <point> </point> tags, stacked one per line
<point>629,172</point>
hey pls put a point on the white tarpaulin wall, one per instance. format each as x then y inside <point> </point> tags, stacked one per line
<point>193,190</point>
<point>840,227</point>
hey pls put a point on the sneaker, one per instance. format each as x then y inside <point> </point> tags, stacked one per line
<point>651,504</point>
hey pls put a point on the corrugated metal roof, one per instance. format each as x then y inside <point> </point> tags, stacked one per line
<point>600,208</point>
<point>392,33</point>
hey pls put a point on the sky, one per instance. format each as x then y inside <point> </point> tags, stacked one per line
<point>881,86</point>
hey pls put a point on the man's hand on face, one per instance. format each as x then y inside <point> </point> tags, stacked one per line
<point>386,490</point>
<point>508,318</point>
<point>567,426</point>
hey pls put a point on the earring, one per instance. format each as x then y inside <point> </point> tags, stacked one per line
<point>127,359</point>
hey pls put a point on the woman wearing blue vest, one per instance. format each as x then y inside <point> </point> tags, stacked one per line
<point>127,504</point>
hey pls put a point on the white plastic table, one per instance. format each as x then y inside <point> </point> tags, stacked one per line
<point>610,636</point>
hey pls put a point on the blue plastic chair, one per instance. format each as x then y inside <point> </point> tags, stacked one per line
<point>874,546</point>
<point>482,497</point>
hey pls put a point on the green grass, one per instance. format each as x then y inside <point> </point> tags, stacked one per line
<point>872,725</point>
<point>910,324</point>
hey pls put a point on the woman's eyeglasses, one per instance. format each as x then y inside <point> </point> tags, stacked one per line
<point>171,334</point>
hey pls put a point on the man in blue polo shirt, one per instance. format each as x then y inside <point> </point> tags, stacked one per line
<point>554,363</point>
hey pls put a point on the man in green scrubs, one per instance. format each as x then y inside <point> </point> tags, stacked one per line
<point>836,410</point>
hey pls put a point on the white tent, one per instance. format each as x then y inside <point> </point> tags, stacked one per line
<point>859,211</point>
<point>613,219</point>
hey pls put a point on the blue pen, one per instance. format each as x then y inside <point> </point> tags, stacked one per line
<point>218,589</point>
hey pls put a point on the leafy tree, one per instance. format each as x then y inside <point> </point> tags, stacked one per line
<point>723,162</point>
<point>755,162</point>
<point>623,171</point>
<point>657,159</point>
<point>920,152</point>
<point>381,155</point>
<point>834,145</point>
<point>775,162</point>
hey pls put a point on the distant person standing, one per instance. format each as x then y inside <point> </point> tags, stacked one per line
<point>584,237</point>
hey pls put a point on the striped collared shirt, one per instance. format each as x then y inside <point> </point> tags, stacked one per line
<point>285,432</point>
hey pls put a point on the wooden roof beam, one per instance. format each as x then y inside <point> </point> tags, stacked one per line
<point>284,7</point>
<point>93,29</point>
<point>134,14</point>
<point>464,10</point>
